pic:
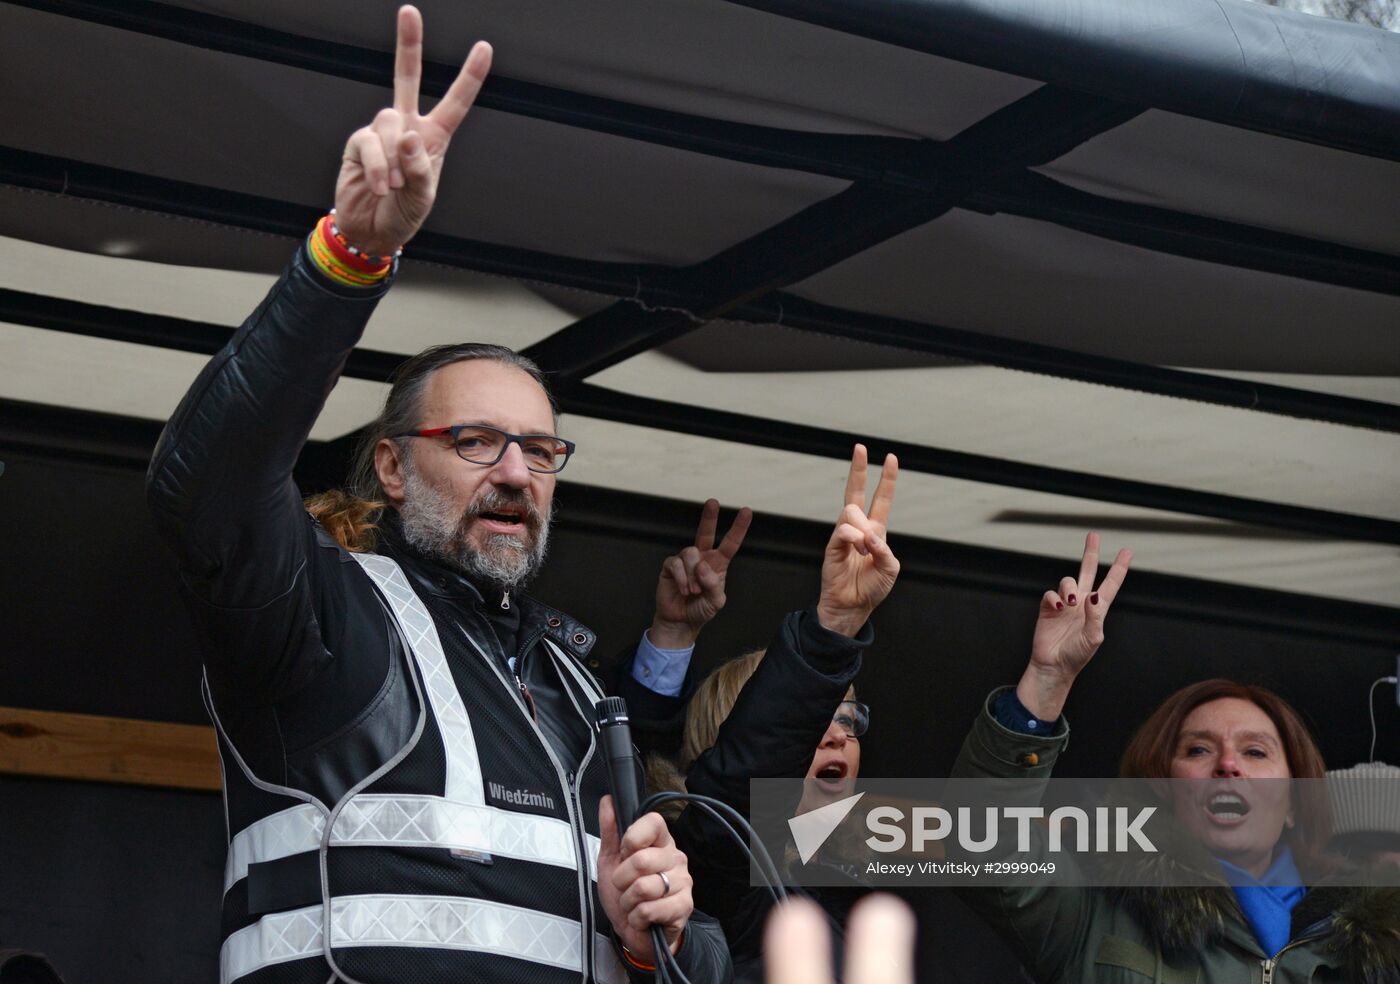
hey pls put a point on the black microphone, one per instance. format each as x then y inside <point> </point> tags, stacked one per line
<point>616,738</point>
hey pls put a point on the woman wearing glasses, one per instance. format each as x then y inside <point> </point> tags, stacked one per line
<point>787,712</point>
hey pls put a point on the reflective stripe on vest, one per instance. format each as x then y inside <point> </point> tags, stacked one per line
<point>460,819</point>
<point>463,784</point>
<point>386,819</point>
<point>430,921</point>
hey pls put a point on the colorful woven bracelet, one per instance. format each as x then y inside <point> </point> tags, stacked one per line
<point>334,260</point>
<point>348,255</point>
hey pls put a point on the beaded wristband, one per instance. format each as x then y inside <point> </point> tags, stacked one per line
<point>334,258</point>
<point>353,255</point>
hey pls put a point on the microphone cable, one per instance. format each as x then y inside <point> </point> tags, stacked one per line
<point>616,740</point>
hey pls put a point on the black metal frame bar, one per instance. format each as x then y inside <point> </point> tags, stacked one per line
<point>797,312</point>
<point>1036,128</point>
<point>157,330</point>
<point>166,196</point>
<point>659,286</point>
<point>594,401</point>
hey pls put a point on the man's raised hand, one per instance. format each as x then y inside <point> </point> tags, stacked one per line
<point>1069,631</point>
<point>389,173</point>
<point>690,590</point>
<point>859,569</point>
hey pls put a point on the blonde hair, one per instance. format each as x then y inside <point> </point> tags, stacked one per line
<point>353,521</point>
<point>711,704</point>
<point>708,707</point>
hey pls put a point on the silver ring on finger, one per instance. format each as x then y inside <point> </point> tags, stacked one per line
<point>666,883</point>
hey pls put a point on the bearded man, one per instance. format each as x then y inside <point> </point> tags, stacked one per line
<point>412,783</point>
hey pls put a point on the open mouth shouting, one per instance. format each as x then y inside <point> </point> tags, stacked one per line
<point>831,775</point>
<point>1227,809</point>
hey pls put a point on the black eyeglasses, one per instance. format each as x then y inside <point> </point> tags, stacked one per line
<point>484,445</point>
<point>853,718</point>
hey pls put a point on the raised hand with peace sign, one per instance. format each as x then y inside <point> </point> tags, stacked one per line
<point>1069,631</point>
<point>859,569</point>
<point>690,590</point>
<point>389,173</point>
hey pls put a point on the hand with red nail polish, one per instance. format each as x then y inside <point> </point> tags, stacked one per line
<point>1067,635</point>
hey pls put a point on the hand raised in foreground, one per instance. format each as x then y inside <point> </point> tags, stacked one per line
<point>859,569</point>
<point>634,895</point>
<point>690,590</point>
<point>390,169</point>
<point>879,943</point>
<point>1069,631</point>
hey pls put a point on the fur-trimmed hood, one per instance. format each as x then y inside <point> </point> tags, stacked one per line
<point>1366,928</point>
<point>1360,924</point>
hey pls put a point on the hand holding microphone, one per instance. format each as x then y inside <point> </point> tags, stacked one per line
<point>643,878</point>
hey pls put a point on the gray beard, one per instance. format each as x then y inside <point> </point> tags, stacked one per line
<point>434,529</point>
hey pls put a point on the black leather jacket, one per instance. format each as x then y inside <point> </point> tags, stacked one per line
<point>772,732</point>
<point>300,660</point>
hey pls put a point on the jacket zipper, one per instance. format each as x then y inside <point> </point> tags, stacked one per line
<point>1271,964</point>
<point>566,779</point>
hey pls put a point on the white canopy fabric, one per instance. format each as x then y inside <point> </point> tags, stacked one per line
<point>123,137</point>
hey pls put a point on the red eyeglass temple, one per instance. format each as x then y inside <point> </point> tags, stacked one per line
<point>439,431</point>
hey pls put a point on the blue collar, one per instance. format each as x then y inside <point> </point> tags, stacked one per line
<point>1268,902</point>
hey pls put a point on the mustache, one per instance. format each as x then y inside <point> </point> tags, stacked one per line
<point>498,499</point>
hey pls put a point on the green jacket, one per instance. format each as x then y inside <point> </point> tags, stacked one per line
<point>1168,935</point>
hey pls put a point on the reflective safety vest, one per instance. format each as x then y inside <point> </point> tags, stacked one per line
<point>470,854</point>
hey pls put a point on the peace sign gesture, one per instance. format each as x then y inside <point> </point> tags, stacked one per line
<point>389,173</point>
<point>690,590</point>
<point>859,569</point>
<point>1070,630</point>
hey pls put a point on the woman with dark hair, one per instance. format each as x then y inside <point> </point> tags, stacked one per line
<point>1258,921</point>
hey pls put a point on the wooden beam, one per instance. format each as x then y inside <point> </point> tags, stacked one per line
<point>108,749</point>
